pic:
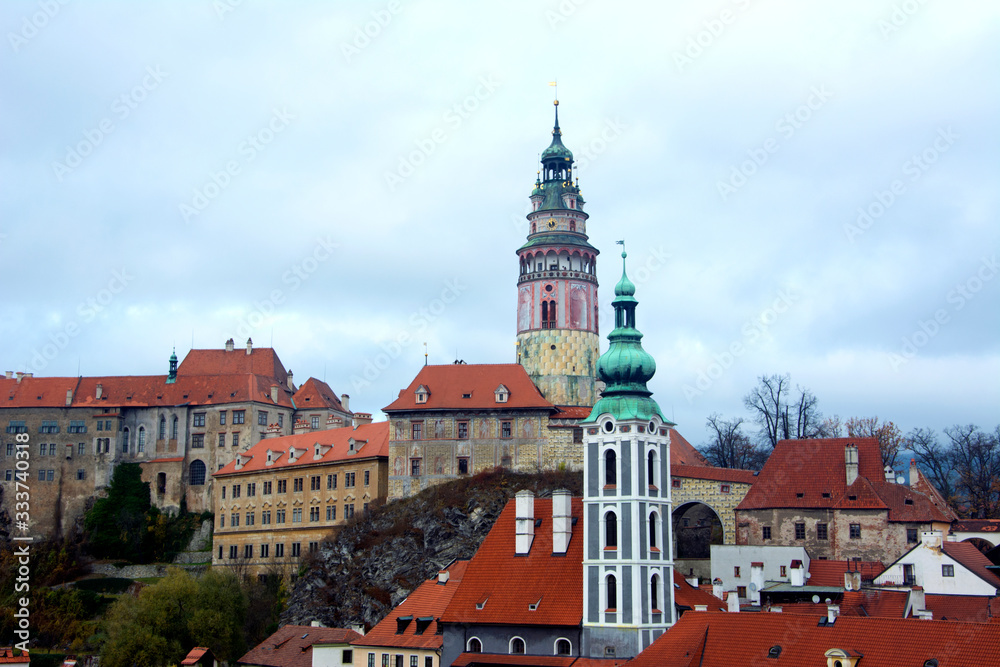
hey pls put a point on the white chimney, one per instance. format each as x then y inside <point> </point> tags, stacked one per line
<point>692,581</point>
<point>734,601</point>
<point>443,576</point>
<point>832,612</point>
<point>274,393</point>
<point>776,610</point>
<point>931,539</point>
<point>890,475</point>
<point>701,607</point>
<point>852,580</point>
<point>851,462</point>
<point>249,345</point>
<point>345,401</point>
<point>9,374</point>
<point>918,601</point>
<point>914,473</point>
<point>717,588</point>
<point>951,538</point>
<point>925,615</point>
<point>69,397</point>
<point>525,514</point>
<point>230,345</point>
<point>798,574</point>
<point>562,520</point>
<point>99,391</point>
<point>316,624</point>
<point>358,628</point>
<point>756,581</point>
<point>19,376</point>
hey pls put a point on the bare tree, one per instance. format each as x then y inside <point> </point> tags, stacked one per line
<point>889,437</point>
<point>976,457</point>
<point>934,460</point>
<point>778,417</point>
<point>730,447</point>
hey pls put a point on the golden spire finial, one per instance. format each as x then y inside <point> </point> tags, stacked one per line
<point>555,85</point>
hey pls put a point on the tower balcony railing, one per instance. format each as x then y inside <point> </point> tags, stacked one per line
<point>557,273</point>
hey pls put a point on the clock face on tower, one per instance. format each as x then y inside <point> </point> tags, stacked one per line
<point>552,223</point>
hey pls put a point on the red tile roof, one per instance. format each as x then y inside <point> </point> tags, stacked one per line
<point>448,384</point>
<point>710,639</point>
<point>508,583</point>
<point>683,452</point>
<point>428,601</point>
<point>686,595</point>
<point>713,473</point>
<point>7,656</point>
<point>571,412</point>
<point>976,526</point>
<point>831,572</point>
<point>470,659</point>
<point>972,559</point>
<point>337,439</point>
<point>261,361</point>
<point>874,603</point>
<point>291,645</point>
<point>316,394</point>
<point>973,608</point>
<point>194,655</point>
<point>816,467</point>
<point>32,392</point>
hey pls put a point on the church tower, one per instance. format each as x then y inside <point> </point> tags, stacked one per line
<point>628,592</point>
<point>557,335</point>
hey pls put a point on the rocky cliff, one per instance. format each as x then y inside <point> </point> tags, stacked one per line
<point>379,558</point>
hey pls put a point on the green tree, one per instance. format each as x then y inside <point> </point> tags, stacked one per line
<point>116,524</point>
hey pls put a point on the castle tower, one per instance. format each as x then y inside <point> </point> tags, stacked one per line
<point>557,313</point>
<point>628,592</point>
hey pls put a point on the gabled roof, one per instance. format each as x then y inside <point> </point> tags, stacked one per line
<point>972,559</point>
<point>449,384</point>
<point>711,472</point>
<point>865,603</point>
<point>195,655</point>
<point>972,608</point>
<point>505,584</point>
<point>683,452</point>
<point>423,607</point>
<point>7,656</point>
<point>976,526</point>
<point>32,392</point>
<point>701,639</point>
<point>260,361</point>
<point>317,394</point>
<point>831,572</point>
<point>686,595</point>
<point>375,435</point>
<point>291,645</point>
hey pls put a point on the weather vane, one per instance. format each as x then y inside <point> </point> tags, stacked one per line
<point>555,85</point>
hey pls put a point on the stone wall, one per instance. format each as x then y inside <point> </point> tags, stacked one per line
<point>709,492</point>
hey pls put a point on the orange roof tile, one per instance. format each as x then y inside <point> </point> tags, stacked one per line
<point>32,392</point>
<point>316,394</point>
<point>972,559</point>
<point>194,655</point>
<point>427,602</point>
<point>974,608</point>
<point>830,573</point>
<point>261,361</point>
<point>706,639</point>
<point>291,645</point>
<point>509,583</point>
<point>375,435</point>
<point>686,595</point>
<point>571,412</point>
<point>470,659</point>
<point>7,656</point>
<point>713,473</point>
<point>683,452</point>
<point>976,526</point>
<point>449,384</point>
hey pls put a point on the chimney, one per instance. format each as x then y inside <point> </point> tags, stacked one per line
<point>918,601</point>
<point>931,539</point>
<point>890,475</point>
<point>692,581</point>
<point>443,576</point>
<point>734,601</point>
<point>525,506</point>
<point>914,473</point>
<point>701,607</point>
<point>951,537</point>
<point>358,628</point>
<point>249,345</point>
<point>19,376</point>
<point>291,385</point>
<point>851,462</point>
<point>69,397</point>
<point>852,580</point>
<point>274,392</point>
<point>756,581</point>
<point>362,418</point>
<point>9,375</point>
<point>99,391</point>
<point>345,402</point>
<point>798,574</point>
<point>562,520</point>
<point>230,345</point>
<point>717,588</point>
<point>832,612</point>
<point>316,624</point>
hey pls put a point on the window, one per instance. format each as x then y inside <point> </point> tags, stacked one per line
<point>675,483</point>
<point>297,484</point>
<point>800,531</point>
<point>220,552</point>
<point>297,515</point>
<point>265,516</point>
<point>51,427</point>
<point>233,551</point>
<point>198,420</point>
<point>100,425</point>
<point>264,548</point>
<point>348,510</point>
<point>367,477</point>
<point>8,475</point>
<point>16,426</point>
<point>43,449</point>
<point>281,420</point>
<point>784,571</point>
<point>248,551</point>
<point>314,483</point>
<point>250,518</point>
<point>279,550</point>
<point>765,532</point>
<point>142,439</point>
<point>911,535</point>
<point>347,656</point>
<point>75,426</point>
<point>474,645</point>
<point>349,480</point>
<point>313,547</point>
<point>724,488</point>
<point>314,421</point>
<point>736,571</point>
<point>505,429</point>
<point>549,313</point>
<point>611,593</point>
<point>413,661</point>
<point>239,416</point>
<point>654,527</point>
<point>331,481</point>
<point>222,440</point>
<point>371,660</point>
<point>654,593</point>
<point>463,465</point>
<point>222,418</point>
<point>267,488</point>
<point>125,441</point>
<point>296,549</point>
<point>80,448</point>
<point>314,514</point>
<point>821,531</point>
<point>262,418</point>
<point>947,570</point>
<point>855,531</point>
<point>173,428</point>
<point>197,441</point>
<point>107,425</point>
<point>463,430</point>
<point>282,486</point>
<point>416,430</point>
<point>237,490</point>
<point>651,469</point>
<point>236,439</point>
<point>81,473</point>
<point>563,647</point>
<point>610,468</point>
<point>10,449</point>
<point>234,519</point>
<point>610,531</point>
<point>196,473</point>
<point>517,646</point>
<point>741,591</point>
<point>331,513</point>
<point>399,660</point>
<point>385,660</point>
<point>223,492</point>
<point>428,661</point>
<point>279,516</point>
<point>577,436</point>
<point>414,467</point>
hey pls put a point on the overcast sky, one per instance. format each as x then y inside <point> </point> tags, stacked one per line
<point>807,188</point>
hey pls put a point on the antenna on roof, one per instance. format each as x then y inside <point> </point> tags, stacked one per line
<point>425,356</point>
<point>272,338</point>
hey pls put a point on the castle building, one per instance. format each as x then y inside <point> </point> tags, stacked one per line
<point>628,566</point>
<point>557,311</point>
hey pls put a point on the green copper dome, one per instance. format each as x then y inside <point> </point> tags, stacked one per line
<point>626,368</point>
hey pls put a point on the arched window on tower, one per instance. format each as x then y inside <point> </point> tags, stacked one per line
<point>654,529</point>
<point>651,469</point>
<point>162,433</point>
<point>548,314</point>
<point>610,468</point>
<point>654,592</point>
<point>173,429</point>
<point>611,594</point>
<point>610,531</point>
<point>572,224</point>
<point>141,444</point>
<point>534,227</point>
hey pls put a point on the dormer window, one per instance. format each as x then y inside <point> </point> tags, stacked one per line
<point>422,394</point>
<point>502,394</point>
